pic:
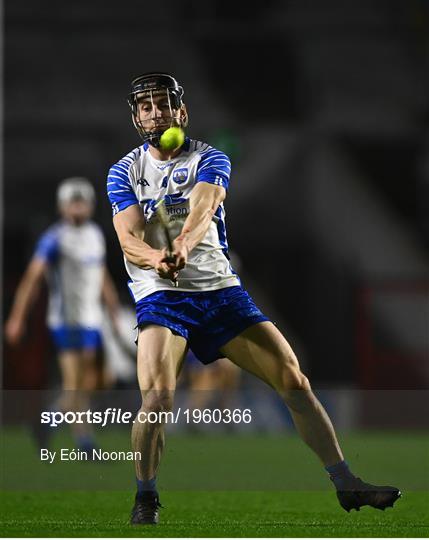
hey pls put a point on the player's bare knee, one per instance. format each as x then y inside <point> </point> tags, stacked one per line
<point>292,379</point>
<point>298,395</point>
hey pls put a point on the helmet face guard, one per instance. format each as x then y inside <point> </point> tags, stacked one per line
<point>147,87</point>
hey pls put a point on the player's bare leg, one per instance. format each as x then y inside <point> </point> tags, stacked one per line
<point>263,351</point>
<point>71,375</point>
<point>91,375</point>
<point>77,371</point>
<point>160,356</point>
<point>89,382</point>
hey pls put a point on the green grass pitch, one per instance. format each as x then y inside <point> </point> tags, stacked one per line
<point>215,486</point>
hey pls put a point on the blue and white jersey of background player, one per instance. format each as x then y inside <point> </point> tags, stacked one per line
<point>76,262</point>
<point>139,178</point>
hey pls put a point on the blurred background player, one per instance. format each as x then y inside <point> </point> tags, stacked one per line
<point>71,256</point>
<point>213,386</point>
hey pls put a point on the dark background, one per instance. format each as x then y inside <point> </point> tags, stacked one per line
<point>324,110</point>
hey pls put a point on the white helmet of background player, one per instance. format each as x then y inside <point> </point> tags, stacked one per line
<point>75,188</point>
<point>146,87</point>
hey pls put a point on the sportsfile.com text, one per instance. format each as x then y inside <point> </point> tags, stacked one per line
<point>117,416</point>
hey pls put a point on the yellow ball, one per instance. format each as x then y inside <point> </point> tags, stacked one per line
<point>172,138</point>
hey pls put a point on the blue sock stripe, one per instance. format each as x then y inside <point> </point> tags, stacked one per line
<point>146,485</point>
<point>340,474</point>
<point>339,469</point>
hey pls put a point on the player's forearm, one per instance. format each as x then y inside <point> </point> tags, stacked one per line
<point>196,225</point>
<point>24,299</point>
<point>138,252</point>
<point>28,289</point>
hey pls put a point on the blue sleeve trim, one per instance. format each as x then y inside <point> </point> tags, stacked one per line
<point>118,207</point>
<point>214,168</point>
<point>47,247</point>
<point>119,189</point>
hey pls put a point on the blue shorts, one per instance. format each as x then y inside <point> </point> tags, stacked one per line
<point>76,337</point>
<point>207,320</point>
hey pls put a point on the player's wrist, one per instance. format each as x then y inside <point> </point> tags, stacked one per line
<point>184,241</point>
<point>150,258</point>
<point>157,256</point>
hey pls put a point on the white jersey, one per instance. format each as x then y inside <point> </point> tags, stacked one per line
<point>75,257</point>
<point>139,178</point>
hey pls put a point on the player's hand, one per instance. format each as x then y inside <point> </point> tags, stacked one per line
<point>163,267</point>
<point>181,252</point>
<point>13,331</point>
